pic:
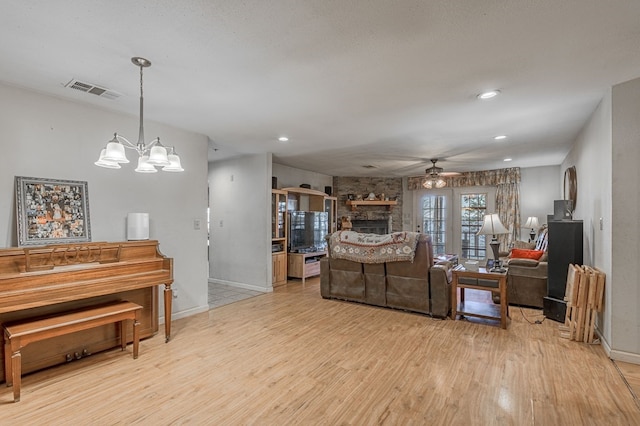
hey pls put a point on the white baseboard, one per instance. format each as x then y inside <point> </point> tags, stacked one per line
<point>241,285</point>
<point>184,314</point>
<point>618,355</point>
<point>625,357</point>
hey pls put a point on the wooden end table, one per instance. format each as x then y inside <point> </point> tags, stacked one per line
<point>482,279</point>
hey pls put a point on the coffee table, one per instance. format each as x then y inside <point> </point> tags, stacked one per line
<point>482,279</point>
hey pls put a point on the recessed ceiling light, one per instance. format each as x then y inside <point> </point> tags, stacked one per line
<point>283,139</point>
<point>501,137</point>
<point>507,159</point>
<point>489,94</point>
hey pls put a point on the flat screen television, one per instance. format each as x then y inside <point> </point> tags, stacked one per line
<point>307,231</point>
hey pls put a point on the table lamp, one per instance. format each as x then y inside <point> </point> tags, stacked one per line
<point>493,226</point>
<point>532,222</point>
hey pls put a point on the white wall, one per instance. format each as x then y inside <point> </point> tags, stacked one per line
<point>240,206</point>
<point>539,186</point>
<point>625,223</point>
<point>48,137</point>
<point>292,177</point>
<point>591,155</point>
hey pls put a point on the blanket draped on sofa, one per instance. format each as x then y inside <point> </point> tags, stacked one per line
<point>373,248</point>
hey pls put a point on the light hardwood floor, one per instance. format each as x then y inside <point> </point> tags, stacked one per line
<point>290,357</point>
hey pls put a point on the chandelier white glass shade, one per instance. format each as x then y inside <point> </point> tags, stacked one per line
<point>434,182</point>
<point>491,225</point>
<point>150,156</point>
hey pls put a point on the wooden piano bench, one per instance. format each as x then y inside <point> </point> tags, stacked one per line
<point>19,334</point>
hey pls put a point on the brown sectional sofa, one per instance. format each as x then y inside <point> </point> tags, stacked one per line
<point>416,286</point>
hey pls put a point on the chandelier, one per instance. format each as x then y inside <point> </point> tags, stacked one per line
<point>434,181</point>
<point>434,178</point>
<point>150,155</point>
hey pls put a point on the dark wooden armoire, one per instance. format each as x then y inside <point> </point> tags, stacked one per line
<point>565,247</point>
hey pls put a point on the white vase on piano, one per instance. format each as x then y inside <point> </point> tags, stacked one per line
<point>137,226</point>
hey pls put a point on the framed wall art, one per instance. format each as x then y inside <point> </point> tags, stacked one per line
<point>52,211</point>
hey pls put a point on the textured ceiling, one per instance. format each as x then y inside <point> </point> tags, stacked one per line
<point>377,83</point>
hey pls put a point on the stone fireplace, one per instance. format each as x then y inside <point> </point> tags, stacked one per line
<point>371,226</point>
<point>373,219</point>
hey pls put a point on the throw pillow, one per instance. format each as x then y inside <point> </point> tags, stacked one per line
<point>526,254</point>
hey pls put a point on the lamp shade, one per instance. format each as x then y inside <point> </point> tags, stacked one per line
<point>114,152</point>
<point>532,222</point>
<point>158,156</point>
<point>174,164</point>
<point>144,166</point>
<point>492,225</point>
<point>105,163</point>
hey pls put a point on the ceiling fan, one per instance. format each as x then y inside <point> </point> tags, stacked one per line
<point>435,176</point>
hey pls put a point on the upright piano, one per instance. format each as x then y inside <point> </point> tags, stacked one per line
<point>47,280</point>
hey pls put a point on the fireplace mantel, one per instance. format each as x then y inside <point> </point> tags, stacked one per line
<point>354,204</point>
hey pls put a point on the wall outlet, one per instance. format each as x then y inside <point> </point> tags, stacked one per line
<point>175,293</point>
<point>196,224</point>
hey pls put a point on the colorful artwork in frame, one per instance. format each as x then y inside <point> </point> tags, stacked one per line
<point>52,211</point>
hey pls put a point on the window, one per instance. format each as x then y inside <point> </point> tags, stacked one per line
<point>452,217</point>
<point>472,210</point>
<point>434,210</point>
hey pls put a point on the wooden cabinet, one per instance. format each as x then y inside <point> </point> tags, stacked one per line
<point>279,268</point>
<point>279,237</point>
<point>310,200</point>
<point>331,207</point>
<point>304,265</point>
<point>565,247</point>
<point>278,214</point>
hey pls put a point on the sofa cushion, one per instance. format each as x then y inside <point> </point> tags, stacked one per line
<point>347,285</point>
<point>523,245</point>
<point>526,254</point>
<point>347,279</point>
<point>408,293</point>
<point>375,284</point>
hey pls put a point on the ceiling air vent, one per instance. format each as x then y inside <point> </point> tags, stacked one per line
<point>92,88</point>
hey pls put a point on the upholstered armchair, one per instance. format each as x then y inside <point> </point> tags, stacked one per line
<point>527,277</point>
<point>526,282</point>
